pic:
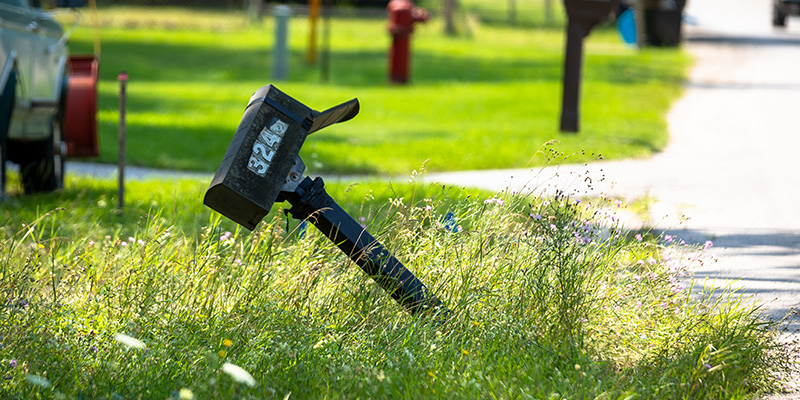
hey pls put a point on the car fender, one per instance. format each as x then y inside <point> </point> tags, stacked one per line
<point>8,88</point>
<point>9,66</point>
<point>61,81</point>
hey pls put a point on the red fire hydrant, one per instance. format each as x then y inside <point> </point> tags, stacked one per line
<point>402,16</point>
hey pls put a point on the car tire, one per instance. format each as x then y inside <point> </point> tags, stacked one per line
<point>778,17</point>
<point>42,165</point>
<point>6,109</point>
<point>3,160</point>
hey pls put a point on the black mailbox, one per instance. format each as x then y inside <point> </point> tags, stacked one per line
<point>263,151</point>
<point>262,165</point>
<point>583,16</point>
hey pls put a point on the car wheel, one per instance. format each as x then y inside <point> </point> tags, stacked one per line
<point>42,168</point>
<point>778,17</point>
<point>3,159</point>
<point>6,109</point>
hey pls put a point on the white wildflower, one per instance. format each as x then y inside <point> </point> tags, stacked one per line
<point>129,341</point>
<point>238,374</point>
<point>186,394</point>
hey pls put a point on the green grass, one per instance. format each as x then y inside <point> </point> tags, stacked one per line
<point>550,298</point>
<point>484,100</point>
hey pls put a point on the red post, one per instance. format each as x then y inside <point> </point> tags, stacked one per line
<point>402,16</point>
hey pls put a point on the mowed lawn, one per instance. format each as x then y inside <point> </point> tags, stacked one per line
<point>487,98</point>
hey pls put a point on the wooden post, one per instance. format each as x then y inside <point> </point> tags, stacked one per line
<point>583,16</point>
<point>450,7</point>
<point>548,12</point>
<point>123,80</point>
<point>253,12</point>
<point>640,22</point>
<point>573,63</point>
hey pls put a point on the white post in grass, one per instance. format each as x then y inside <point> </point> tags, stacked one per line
<point>280,50</point>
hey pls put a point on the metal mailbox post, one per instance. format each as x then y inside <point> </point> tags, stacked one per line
<point>583,16</point>
<point>262,166</point>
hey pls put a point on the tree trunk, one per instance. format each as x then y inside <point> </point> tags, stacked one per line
<point>548,12</point>
<point>253,11</point>
<point>450,8</point>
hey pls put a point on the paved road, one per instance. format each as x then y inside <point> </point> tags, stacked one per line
<point>732,166</point>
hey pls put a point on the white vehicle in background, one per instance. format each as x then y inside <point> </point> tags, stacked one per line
<point>34,85</point>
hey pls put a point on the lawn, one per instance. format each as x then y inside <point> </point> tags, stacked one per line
<point>487,98</point>
<point>549,298</point>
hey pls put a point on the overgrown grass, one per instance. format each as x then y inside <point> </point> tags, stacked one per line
<point>550,298</point>
<point>484,100</point>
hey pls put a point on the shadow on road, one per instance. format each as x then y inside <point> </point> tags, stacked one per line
<point>754,40</point>
<point>761,264</point>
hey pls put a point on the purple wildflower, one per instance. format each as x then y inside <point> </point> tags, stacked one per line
<point>12,363</point>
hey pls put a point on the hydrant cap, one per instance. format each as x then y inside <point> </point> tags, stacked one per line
<point>398,5</point>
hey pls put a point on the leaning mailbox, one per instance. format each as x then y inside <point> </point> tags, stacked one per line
<point>583,16</point>
<point>262,166</point>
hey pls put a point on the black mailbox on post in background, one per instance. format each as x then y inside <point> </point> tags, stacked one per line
<point>262,166</point>
<point>583,16</point>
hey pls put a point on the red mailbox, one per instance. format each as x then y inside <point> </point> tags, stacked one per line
<point>402,17</point>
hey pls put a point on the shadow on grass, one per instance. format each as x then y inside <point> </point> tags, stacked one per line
<point>169,62</point>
